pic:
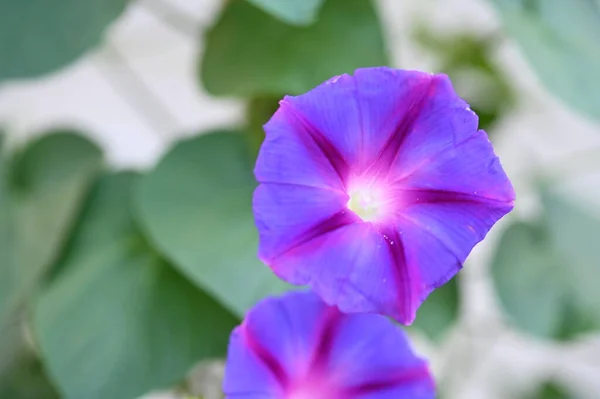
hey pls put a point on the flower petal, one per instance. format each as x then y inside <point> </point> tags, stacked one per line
<point>288,330</point>
<point>290,156</point>
<point>296,346</point>
<point>289,215</point>
<point>469,167</point>
<point>372,354</point>
<point>247,375</point>
<point>425,182</point>
<point>330,114</point>
<point>390,101</point>
<point>444,121</point>
<point>420,390</point>
<point>356,268</point>
<point>444,217</point>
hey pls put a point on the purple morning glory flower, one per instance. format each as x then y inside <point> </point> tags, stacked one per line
<point>374,189</point>
<point>297,347</point>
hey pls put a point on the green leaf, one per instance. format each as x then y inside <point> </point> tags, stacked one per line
<point>196,208</point>
<point>575,233</point>
<point>26,379</point>
<point>545,273</point>
<point>439,311</point>
<point>41,36</point>
<point>551,391</point>
<point>530,279</point>
<point>293,12</point>
<point>560,40</point>
<point>249,54</point>
<point>118,321</point>
<point>41,193</point>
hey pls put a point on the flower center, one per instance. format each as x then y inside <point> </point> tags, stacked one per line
<point>313,391</point>
<point>367,202</point>
<point>305,394</point>
<point>315,385</point>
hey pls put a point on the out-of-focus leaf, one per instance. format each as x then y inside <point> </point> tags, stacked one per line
<point>551,391</point>
<point>530,279</point>
<point>41,194</point>
<point>40,36</point>
<point>118,321</point>
<point>26,379</point>
<point>575,235</point>
<point>248,53</point>
<point>560,40</point>
<point>469,61</point>
<point>545,273</point>
<point>258,112</point>
<point>196,207</point>
<point>439,312</point>
<point>293,12</point>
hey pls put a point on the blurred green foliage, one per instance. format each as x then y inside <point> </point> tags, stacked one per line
<point>560,40</point>
<point>41,36</point>
<point>125,280</point>
<point>546,272</point>
<point>293,12</point>
<point>248,53</point>
<point>552,391</point>
<point>42,189</point>
<point>118,313</point>
<point>439,311</point>
<point>48,183</point>
<point>27,379</point>
<point>197,209</point>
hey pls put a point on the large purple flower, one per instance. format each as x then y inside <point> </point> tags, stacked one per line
<point>374,189</point>
<point>297,347</point>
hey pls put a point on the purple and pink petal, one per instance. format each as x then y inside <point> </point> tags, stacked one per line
<point>297,347</point>
<point>374,189</point>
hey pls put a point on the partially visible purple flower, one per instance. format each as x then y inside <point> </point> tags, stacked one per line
<point>297,347</point>
<point>374,189</point>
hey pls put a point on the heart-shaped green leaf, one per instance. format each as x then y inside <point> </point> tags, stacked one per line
<point>545,273</point>
<point>196,208</point>
<point>560,40</point>
<point>249,53</point>
<point>41,193</point>
<point>40,36</point>
<point>118,321</point>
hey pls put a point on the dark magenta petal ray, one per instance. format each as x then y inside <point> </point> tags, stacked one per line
<point>384,98</point>
<point>399,378</point>
<point>330,152</point>
<point>406,277</point>
<point>288,214</point>
<point>327,333</point>
<point>249,374</point>
<point>404,127</point>
<point>353,268</point>
<point>267,358</point>
<point>408,197</point>
<point>336,221</point>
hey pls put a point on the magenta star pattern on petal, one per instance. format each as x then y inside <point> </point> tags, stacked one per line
<point>374,189</point>
<point>297,347</point>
